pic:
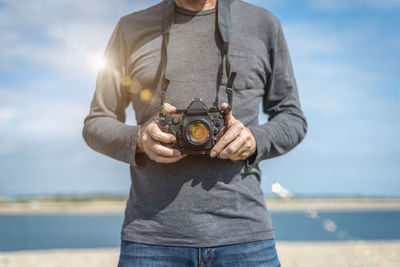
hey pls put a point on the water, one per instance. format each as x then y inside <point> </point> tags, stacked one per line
<point>29,232</point>
<point>26,232</point>
<point>334,226</point>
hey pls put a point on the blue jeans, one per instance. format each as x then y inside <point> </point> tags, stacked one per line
<point>254,254</point>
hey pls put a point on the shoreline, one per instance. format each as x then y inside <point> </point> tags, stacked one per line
<point>118,206</point>
<point>296,254</point>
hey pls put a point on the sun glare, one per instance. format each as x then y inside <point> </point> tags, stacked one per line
<point>96,60</point>
<point>102,62</point>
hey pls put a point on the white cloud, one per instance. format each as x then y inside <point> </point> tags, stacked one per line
<point>319,57</point>
<point>343,98</point>
<point>41,116</point>
<point>29,119</point>
<point>59,35</point>
<point>6,115</point>
<point>42,149</point>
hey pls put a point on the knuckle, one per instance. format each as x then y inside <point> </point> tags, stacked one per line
<point>157,135</point>
<point>170,153</point>
<point>242,140</point>
<point>224,141</point>
<point>151,131</point>
<point>239,125</point>
<point>155,149</point>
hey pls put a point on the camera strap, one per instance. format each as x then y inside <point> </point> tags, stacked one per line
<point>224,27</point>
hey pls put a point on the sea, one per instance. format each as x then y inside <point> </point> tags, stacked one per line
<point>60,231</point>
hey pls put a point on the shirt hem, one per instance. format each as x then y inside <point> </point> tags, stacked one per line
<point>216,241</point>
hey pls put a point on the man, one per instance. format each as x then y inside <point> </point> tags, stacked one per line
<point>185,209</point>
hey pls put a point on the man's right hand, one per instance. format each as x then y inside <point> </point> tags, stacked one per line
<point>149,140</point>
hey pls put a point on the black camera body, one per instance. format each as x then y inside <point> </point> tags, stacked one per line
<point>195,127</point>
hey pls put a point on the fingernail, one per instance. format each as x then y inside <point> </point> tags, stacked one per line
<point>213,154</point>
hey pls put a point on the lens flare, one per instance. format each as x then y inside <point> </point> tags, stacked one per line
<point>329,225</point>
<point>135,87</point>
<point>145,95</point>
<point>276,188</point>
<point>281,191</point>
<point>125,81</point>
<point>198,132</point>
<point>311,213</point>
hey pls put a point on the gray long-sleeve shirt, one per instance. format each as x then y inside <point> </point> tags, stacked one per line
<point>198,201</point>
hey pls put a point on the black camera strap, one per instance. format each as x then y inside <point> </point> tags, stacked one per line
<point>224,27</point>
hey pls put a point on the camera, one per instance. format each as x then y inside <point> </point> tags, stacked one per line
<point>195,127</point>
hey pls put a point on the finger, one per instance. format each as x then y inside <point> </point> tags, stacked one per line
<point>233,147</point>
<point>220,134</point>
<point>229,118</point>
<point>168,108</point>
<point>162,150</point>
<point>228,137</point>
<point>224,105</point>
<point>155,132</point>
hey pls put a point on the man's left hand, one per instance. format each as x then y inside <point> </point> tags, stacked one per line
<point>235,141</point>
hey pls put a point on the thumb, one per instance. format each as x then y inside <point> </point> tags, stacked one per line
<point>168,108</point>
<point>229,118</point>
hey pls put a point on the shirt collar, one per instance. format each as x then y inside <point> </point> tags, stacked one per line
<point>223,13</point>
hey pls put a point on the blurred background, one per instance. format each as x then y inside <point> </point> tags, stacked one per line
<point>346,58</point>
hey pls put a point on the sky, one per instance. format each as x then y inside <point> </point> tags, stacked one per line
<point>346,59</point>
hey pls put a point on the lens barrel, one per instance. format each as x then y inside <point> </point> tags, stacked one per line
<point>197,132</point>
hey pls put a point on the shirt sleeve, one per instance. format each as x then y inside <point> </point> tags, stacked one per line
<point>287,125</point>
<point>104,128</point>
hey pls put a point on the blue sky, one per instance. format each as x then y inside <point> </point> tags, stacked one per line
<point>346,57</point>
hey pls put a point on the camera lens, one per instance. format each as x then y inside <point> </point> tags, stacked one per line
<point>197,132</point>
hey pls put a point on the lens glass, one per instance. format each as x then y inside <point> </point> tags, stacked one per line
<point>198,132</point>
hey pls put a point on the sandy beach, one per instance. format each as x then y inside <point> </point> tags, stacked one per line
<point>291,254</point>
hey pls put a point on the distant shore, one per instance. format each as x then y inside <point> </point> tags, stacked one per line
<point>117,206</point>
<point>291,254</point>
